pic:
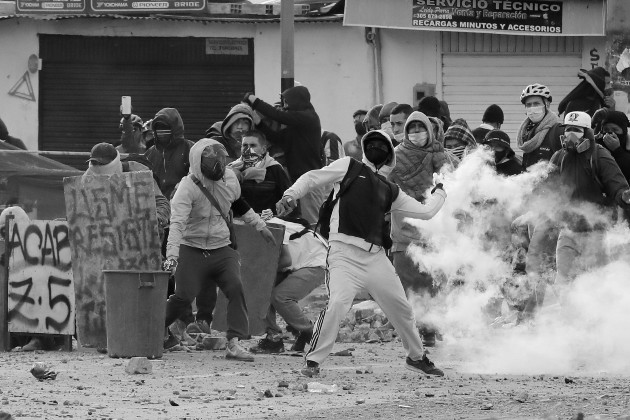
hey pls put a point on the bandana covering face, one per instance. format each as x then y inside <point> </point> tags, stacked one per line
<point>251,158</point>
<point>458,151</point>
<point>112,168</point>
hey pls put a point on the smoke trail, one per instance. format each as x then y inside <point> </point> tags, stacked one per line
<point>468,247</point>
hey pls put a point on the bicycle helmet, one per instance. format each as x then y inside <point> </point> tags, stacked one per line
<point>536,90</point>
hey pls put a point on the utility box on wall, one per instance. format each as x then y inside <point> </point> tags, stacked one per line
<point>420,90</point>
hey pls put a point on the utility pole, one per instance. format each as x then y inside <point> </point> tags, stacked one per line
<point>287,77</point>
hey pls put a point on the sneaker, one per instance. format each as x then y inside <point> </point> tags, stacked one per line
<point>423,365</point>
<point>302,340</point>
<point>200,326</point>
<point>267,345</point>
<point>171,341</point>
<point>236,352</point>
<point>428,339</point>
<point>311,369</point>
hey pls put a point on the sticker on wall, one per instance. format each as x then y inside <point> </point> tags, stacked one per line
<point>23,88</point>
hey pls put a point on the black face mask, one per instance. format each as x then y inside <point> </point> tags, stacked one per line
<point>360,128</point>
<point>213,168</point>
<point>499,156</point>
<point>377,156</point>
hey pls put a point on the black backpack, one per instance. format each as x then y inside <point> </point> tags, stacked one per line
<point>326,209</point>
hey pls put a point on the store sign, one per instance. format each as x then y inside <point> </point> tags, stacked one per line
<point>495,15</point>
<point>226,46</point>
<point>506,17</point>
<point>127,6</point>
<point>50,6</point>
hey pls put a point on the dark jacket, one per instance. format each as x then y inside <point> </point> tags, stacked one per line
<point>171,163</point>
<point>13,141</point>
<point>622,157</point>
<point>301,137</point>
<point>510,166</point>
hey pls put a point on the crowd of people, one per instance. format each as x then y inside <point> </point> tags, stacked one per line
<point>345,205</point>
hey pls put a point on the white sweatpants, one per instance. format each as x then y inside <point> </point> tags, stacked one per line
<point>351,269</point>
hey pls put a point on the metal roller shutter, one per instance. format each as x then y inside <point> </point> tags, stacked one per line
<point>481,69</point>
<point>83,78</point>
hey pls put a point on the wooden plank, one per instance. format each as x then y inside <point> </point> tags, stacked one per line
<point>41,289</point>
<point>259,264</point>
<point>112,226</point>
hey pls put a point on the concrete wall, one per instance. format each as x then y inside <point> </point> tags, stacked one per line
<point>333,61</point>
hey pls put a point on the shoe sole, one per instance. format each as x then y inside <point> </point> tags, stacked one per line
<point>415,369</point>
<point>240,359</point>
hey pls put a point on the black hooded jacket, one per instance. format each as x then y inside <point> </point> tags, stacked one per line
<point>170,164</point>
<point>301,137</point>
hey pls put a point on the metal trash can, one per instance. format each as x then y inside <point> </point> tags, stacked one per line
<point>135,301</point>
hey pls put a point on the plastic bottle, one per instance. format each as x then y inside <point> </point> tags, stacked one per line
<point>322,388</point>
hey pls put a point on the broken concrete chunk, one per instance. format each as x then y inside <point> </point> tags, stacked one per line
<point>140,365</point>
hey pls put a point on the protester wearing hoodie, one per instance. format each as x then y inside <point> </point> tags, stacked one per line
<point>588,96</point>
<point>262,178</point>
<point>505,159</point>
<point>458,139</point>
<point>353,147</point>
<point>169,154</point>
<point>492,120</point>
<point>300,139</point>
<point>613,135</point>
<point>13,141</point>
<point>237,122</point>
<point>418,157</point>
<point>539,135</point>
<point>586,174</point>
<point>359,237</point>
<point>198,250</point>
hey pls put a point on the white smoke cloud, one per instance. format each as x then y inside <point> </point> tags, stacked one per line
<point>467,249</point>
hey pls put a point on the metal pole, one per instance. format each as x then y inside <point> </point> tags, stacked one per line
<point>287,78</point>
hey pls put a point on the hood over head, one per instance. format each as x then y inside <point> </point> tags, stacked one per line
<point>391,161</point>
<point>214,130</point>
<point>171,118</point>
<point>195,156</point>
<point>438,129</point>
<point>459,130</point>
<point>238,111</point>
<point>419,116</point>
<point>386,111</point>
<point>371,118</point>
<point>297,98</point>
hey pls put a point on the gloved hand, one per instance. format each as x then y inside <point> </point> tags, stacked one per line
<point>611,141</point>
<point>266,214</point>
<point>267,236</point>
<point>170,265</point>
<point>246,98</point>
<point>285,206</point>
<point>437,186</point>
<point>626,196</point>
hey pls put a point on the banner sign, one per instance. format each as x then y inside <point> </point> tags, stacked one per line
<point>41,286</point>
<point>50,6</point>
<point>495,15</point>
<point>112,225</point>
<point>161,6</point>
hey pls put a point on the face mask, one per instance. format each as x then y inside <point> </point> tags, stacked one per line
<point>499,156</point>
<point>360,128</point>
<point>399,137</point>
<point>572,143</point>
<point>418,139</point>
<point>163,137</point>
<point>376,156</point>
<point>458,151</point>
<point>213,168</point>
<point>535,113</point>
<point>251,158</point>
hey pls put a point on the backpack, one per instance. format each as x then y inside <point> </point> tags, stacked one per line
<point>331,148</point>
<point>326,209</point>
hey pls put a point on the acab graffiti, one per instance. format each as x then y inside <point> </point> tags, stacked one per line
<point>41,290</point>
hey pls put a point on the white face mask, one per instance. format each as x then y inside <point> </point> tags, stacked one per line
<point>418,139</point>
<point>535,113</point>
<point>399,137</point>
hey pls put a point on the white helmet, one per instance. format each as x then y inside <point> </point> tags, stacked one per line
<point>578,119</point>
<point>536,90</point>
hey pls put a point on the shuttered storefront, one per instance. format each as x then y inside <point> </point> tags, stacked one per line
<point>482,69</point>
<point>83,79</point>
